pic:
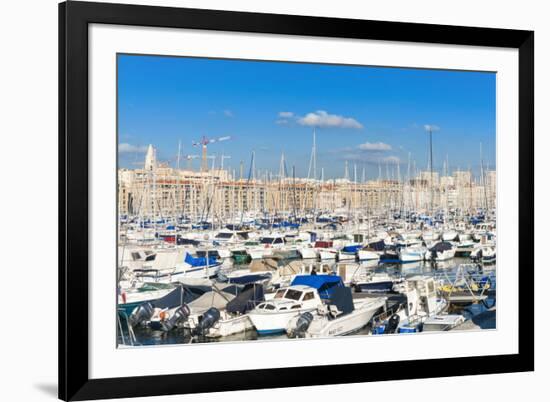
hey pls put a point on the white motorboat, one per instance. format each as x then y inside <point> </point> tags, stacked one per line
<point>367,255</point>
<point>449,235</point>
<point>484,253</point>
<point>440,251</point>
<point>411,253</point>
<point>230,325</point>
<point>234,318</point>
<point>191,267</point>
<point>349,252</point>
<point>307,252</point>
<point>341,315</point>
<point>266,246</point>
<point>131,297</point>
<point>343,256</point>
<point>304,294</point>
<point>420,303</point>
<point>374,282</point>
<point>430,236</point>
<point>327,254</point>
<point>464,237</point>
<point>325,250</point>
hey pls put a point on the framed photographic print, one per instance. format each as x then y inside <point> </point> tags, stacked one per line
<point>258,200</point>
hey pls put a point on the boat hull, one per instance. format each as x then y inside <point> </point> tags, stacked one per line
<point>346,256</point>
<point>373,287</point>
<point>307,253</point>
<point>366,255</point>
<point>408,255</point>
<point>327,255</point>
<point>230,326</point>
<point>344,325</point>
<point>273,323</point>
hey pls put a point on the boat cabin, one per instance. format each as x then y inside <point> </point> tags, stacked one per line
<point>272,241</point>
<point>292,298</point>
<point>231,236</point>
<point>421,293</point>
<point>320,269</point>
<point>323,284</point>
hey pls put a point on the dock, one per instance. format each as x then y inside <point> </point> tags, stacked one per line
<point>485,320</point>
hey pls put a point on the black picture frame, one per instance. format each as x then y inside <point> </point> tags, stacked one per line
<point>74,18</point>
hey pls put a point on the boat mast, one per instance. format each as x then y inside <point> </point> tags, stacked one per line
<point>179,154</point>
<point>431,172</point>
<point>482,178</point>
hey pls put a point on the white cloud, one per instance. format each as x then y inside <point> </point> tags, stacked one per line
<point>375,146</point>
<point>431,127</point>
<point>281,121</point>
<point>286,115</point>
<point>124,147</point>
<point>228,113</point>
<point>321,118</point>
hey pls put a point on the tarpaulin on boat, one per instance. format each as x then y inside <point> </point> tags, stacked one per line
<point>250,296</point>
<point>179,296</point>
<point>325,284</point>
<point>352,249</point>
<point>199,261</point>
<point>216,298</point>
<point>377,245</point>
<point>183,241</point>
<point>244,279</point>
<point>442,246</point>
<point>341,298</point>
<point>232,289</point>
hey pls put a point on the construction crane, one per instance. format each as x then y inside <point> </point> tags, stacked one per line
<point>204,143</point>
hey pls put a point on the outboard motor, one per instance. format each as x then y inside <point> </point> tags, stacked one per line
<point>302,324</point>
<point>180,315</point>
<point>393,322</point>
<point>141,313</point>
<point>209,318</point>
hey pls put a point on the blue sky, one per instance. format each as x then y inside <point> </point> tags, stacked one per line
<point>365,115</point>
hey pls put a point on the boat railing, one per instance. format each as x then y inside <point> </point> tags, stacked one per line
<point>477,284</point>
<point>131,335</point>
<point>386,314</point>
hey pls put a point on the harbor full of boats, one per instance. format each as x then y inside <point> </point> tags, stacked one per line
<point>316,275</point>
<point>204,256</point>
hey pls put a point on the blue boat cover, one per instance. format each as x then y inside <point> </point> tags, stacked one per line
<point>352,248</point>
<point>325,284</point>
<point>199,261</point>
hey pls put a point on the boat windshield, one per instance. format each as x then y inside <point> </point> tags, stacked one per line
<point>271,240</point>
<point>293,294</point>
<point>280,294</point>
<point>224,235</point>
